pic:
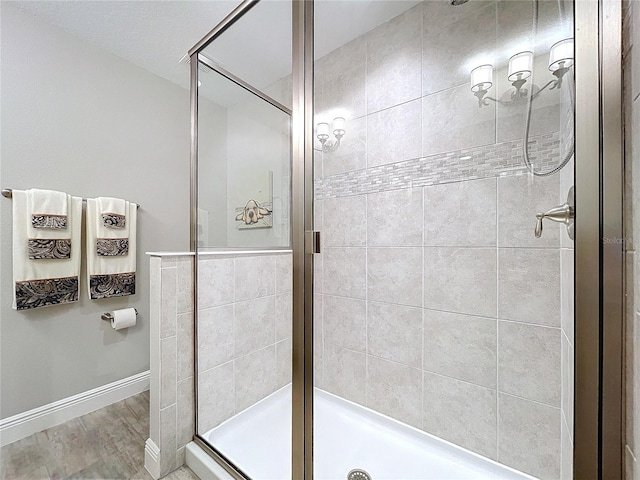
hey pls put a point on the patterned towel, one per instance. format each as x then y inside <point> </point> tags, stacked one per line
<point>46,260</point>
<point>111,247</point>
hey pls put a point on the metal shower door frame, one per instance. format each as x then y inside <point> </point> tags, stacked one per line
<point>598,425</point>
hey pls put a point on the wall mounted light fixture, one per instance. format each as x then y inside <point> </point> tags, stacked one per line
<point>322,132</point>
<point>520,69</point>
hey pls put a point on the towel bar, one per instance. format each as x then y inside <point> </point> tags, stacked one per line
<point>108,317</point>
<point>8,193</point>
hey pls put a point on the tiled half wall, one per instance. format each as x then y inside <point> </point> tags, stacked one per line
<point>244,332</point>
<point>171,364</point>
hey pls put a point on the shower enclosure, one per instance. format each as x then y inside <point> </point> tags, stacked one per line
<point>383,205</point>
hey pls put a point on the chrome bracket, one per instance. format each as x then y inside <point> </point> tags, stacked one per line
<point>565,213</point>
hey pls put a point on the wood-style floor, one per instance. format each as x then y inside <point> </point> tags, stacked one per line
<point>106,444</point>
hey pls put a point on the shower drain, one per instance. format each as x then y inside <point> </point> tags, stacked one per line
<point>358,474</point>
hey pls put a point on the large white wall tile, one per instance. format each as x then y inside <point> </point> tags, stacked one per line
<point>345,221</point>
<point>283,313</point>
<point>393,80</point>
<point>345,373</point>
<point>395,390</point>
<point>185,407</point>
<point>460,214</point>
<point>631,353</point>
<point>168,371</point>
<point>461,413</point>
<point>394,218</point>
<point>185,346</point>
<point>394,332</point>
<point>567,293</point>
<point>343,94</point>
<point>529,362</point>
<point>349,55</point>
<point>318,341</point>
<point>168,436</point>
<point>254,276</point>
<point>216,397</point>
<point>400,35</point>
<point>566,454</point>
<point>394,275</point>
<point>529,285</point>
<point>352,153</point>
<point>284,273</point>
<point>185,285</point>
<point>283,363</point>
<point>520,198</point>
<point>451,120</point>
<point>255,377</point>
<point>461,280</point>
<point>169,302</point>
<point>344,272</point>
<point>445,52</point>
<point>215,337</point>
<point>254,325</point>
<point>215,282</point>
<point>529,436</point>
<point>567,373</point>
<point>461,346</point>
<point>344,322</point>
<point>393,134</point>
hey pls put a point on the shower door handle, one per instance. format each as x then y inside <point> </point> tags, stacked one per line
<point>564,213</point>
<point>312,242</point>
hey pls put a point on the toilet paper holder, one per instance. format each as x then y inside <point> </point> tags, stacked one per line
<point>108,317</point>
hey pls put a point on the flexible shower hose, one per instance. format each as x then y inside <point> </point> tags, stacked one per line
<point>525,140</point>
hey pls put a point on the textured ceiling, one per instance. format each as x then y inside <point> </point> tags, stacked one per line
<point>151,34</point>
<point>156,34</point>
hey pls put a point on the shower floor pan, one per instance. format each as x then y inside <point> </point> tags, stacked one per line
<point>347,437</point>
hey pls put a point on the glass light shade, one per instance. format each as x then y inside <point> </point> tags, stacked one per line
<point>481,78</point>
<point>561,55</point>
<point>323,130</point>
<point>520,66</point>
<point>338,126</point>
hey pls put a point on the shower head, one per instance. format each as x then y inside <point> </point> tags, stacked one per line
<point>455,3</point>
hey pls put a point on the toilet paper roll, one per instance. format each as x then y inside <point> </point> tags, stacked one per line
<point>124,318</point>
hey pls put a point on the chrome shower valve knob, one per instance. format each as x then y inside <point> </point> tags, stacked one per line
<point>564,213</point>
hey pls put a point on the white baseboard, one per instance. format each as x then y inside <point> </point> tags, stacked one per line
<point>152,458</point>
<point>33,421</point>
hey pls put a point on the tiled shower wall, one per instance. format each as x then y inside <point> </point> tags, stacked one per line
<point>436,305</point>
<point>631,69</point>
<point>244,332</point>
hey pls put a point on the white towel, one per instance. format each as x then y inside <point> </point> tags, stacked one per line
<point>48,209</point>
<point>49,279</point>
<point>111,253</point>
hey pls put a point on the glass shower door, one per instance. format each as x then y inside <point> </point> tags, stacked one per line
<point>243,256</point>
<point>443,323</point>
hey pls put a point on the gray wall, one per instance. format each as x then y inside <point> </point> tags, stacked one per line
<point>631,67</point>
<point>82,121</point>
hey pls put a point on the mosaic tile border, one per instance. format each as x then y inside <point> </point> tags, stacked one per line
<point>460,165</point>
